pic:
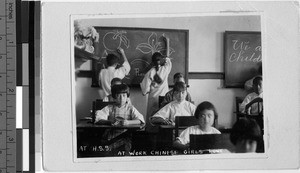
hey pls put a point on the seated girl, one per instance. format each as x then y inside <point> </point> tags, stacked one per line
<point>178,77</point>
<point>121,113</point>
<point>178,107</point>
<point>245,135</point>
<point>253,100</point>
<point>206,114</point>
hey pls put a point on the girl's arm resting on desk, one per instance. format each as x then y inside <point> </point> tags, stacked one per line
<point>102,114</point>
<point>157,120</point>
<point>177,144</point>
<point>161,121</point>
<point>164,112</point>
<point>103,122</point>
<point>131,122</point>
<point>136,115</point>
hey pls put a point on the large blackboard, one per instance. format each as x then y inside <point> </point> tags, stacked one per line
<point>139,44</point>
<point>242,53</point>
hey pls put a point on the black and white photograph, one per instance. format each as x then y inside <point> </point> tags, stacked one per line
<point>137,94</point>
<point>169,86</point>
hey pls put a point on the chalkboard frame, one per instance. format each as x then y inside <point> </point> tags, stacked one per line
<point>96,68</point>
<point>226,33</point>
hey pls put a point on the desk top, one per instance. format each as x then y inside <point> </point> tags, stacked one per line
<point>167,126</point>
<point>87,124</point>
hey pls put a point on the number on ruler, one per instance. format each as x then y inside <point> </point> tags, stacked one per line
<point>11,139</point>
<point>11,90</point>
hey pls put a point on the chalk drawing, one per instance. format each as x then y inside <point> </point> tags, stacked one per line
<point>137,70</point>
<point>153,45</point>
<point>114,39</point>
<point>141,60</point>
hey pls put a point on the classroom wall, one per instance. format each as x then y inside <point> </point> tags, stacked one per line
<point>205,55</point>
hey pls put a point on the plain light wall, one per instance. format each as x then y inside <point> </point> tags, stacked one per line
<point>205,55</point>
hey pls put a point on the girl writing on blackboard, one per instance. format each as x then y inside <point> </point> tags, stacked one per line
<point>155,82</point>
<point>107,74</point>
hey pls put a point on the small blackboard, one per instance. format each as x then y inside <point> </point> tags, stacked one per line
<point>242,53</point>
<point>139,44</point>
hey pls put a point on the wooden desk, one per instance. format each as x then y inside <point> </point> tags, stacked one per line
<point>165,137</point>
<point>90,142</point>
<point>88,125</point>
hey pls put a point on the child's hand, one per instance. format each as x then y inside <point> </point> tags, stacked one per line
<point>117,121</point>
<point>165,38</point>
<point>169,122</point>
<point>154,84</point>
<point>120,51</point>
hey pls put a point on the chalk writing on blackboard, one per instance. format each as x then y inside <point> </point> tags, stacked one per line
<point>114,39</point>
<point>240,49</point>
<point>153,45</point>
<point>137,70</point>
<point>243,57</point>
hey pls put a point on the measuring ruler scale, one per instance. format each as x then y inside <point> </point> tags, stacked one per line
<point>17,139</point>
<point>8,51</point>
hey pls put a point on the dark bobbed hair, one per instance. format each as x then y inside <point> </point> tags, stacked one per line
<point>179,86</point>
<point>117,89</point>
<point>116,79</point>
<point>256,80</point>
<point>245,128</point>
<point>157,56</point>
<point>177,75</point>
<point>111,59</point>
<point>205,106</point>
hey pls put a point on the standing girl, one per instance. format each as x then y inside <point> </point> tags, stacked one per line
<point>155,82</point>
